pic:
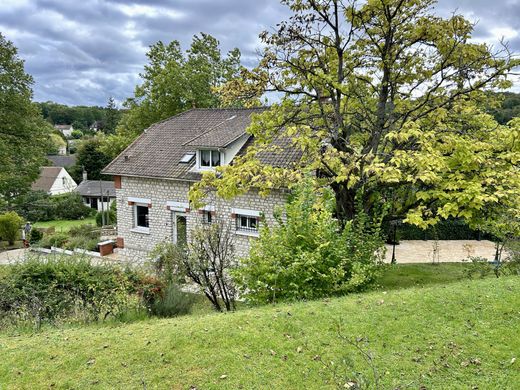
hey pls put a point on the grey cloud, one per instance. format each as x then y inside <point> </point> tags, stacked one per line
<point>82,52</point>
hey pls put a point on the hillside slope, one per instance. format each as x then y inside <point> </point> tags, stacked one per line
<point>462,335</point>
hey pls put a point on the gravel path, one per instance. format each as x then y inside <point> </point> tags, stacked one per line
<point>448,251</point>
<point>12,256</point>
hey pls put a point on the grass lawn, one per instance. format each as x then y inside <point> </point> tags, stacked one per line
<point>461,335</point>
<point>414,275</point>
<point>65,225</point>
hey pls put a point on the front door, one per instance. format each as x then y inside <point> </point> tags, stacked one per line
<point>179,228</point>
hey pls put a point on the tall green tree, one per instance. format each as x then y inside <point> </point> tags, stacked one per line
<point>24,134</point>
<point>174,81</point>
<point>383,97</point>
<point>112,116</point>
<point>90,158</point>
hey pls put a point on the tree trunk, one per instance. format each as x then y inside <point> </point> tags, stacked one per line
<point>345,202</point>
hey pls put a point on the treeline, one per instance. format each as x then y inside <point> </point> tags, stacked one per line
<point>82,117</point>
<point>510,107</point>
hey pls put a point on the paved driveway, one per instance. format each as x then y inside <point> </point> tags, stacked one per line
<point>7,257</point>
<point>445,251</point>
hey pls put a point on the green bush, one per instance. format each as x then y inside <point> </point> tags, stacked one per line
<point>58,239</point>
<point>10,225</point>
<point>451,229</point>
<point>35,237</point>
<point>172,303</point>
<point>110,216</point>
<point>70,206</point>
<point>58,288</point>
<point>86,231</point>
<point>35,206</point>
<point>308,256</point>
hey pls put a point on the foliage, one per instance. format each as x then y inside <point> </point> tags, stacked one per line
<point>51,289</point>
<point>10,225</point>
<point>70,206</point>
<point>35,206</point>
<point>479,266</point>
<point>109,215</point>
<point>384,97</point>
<point>24,135</point>
<point>82,236</point>
<point>174,302</point>
<point>81,117</point>
<point>509,107</point>
<point>173,81</point>
<point>35,236</point>
<point>112,116</point>
<point>56,142</point>
<point>165,259</point>
<point>307,256</point>
<point>207,261</point>
<point>91,158</point>
<point>450,229</point>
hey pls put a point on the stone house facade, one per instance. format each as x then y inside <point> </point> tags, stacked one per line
<point>153,177</point>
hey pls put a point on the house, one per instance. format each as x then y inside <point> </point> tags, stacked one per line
<point>66,130</point>
<point>97,194</point>
<point>54,181</point>
<point>97,126</point>
<point>154,174</point>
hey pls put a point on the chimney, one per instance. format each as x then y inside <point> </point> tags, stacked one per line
<point>84,175</point>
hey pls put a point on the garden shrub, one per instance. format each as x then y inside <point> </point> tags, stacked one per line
<point>10,226</point>
<point>58,239</point>
<point>110,216</point>
<point>173,302</point>
<point>55,288</point>
<point>450,229</point>
<point>308,255</point>
<point>35,206</point>
<point>35,236</point>
<point>70,206</point>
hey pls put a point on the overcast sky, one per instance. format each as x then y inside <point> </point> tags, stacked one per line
<point>80,52</point>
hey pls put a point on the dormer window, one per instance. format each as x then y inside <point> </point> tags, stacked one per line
<point>209,158</point>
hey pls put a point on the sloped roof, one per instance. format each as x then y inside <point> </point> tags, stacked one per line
<point>62,161</point>
<point>94,188</point>
<point>158,151</point>
<point>48,176</point>
<point>63,127</point>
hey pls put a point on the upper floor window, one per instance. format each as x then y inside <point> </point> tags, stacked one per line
<point>209,158</point>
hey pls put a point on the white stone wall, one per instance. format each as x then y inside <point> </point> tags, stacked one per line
<point>137,244</point>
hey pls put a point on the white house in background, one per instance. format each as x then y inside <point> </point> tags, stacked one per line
<point>97,194</point>
<point>66,130</point>
<point>54,181</point>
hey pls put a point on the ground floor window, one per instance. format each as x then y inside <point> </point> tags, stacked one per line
<point>141,216</point>
<point>246,223</point>
<point>207,217</point>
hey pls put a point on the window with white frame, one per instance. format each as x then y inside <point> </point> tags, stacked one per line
<point>246,223</point>
<point>209,158</point>
<point>141,216</point>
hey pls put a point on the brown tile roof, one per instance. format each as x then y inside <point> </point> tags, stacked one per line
<point>46,179</point>
<point>158,151</point>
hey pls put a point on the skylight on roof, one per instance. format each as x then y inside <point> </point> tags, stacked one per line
<point>187,157</point>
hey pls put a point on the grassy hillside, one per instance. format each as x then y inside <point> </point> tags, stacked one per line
<point>460,335</point>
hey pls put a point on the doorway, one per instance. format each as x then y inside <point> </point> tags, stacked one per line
<point>179,230</point>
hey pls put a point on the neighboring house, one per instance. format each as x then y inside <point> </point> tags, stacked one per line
<point>97,194</point>
<point>54,181</point>
<point>154,174</point>
<point>62,161</point>
<point>97,126</point>
<point>66,130</point>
